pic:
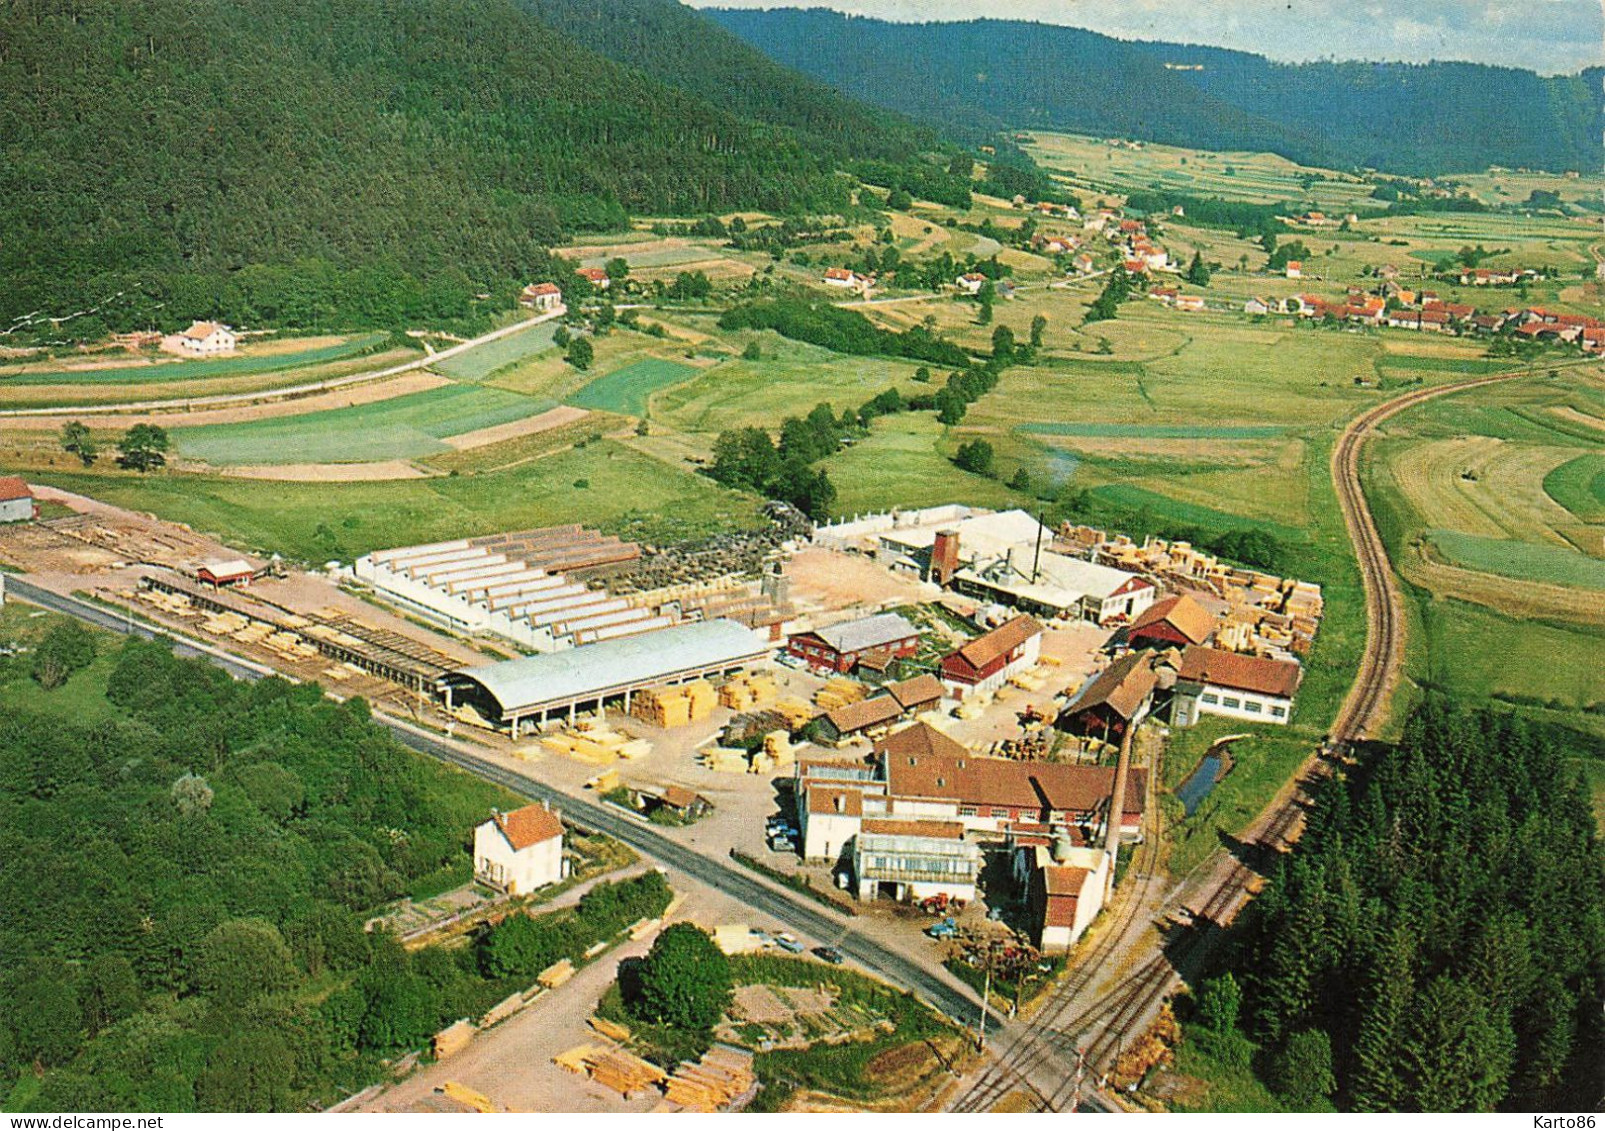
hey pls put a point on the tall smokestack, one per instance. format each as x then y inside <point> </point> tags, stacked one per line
<point>945,556</point>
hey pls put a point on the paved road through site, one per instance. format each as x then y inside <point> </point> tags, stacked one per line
<point>795,912</point>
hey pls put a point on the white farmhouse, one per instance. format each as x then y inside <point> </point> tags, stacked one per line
<point>1251,688</point>
<point>205,338</point>
<point>520,852</point>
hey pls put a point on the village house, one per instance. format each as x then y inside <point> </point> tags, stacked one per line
<point>16,500</point>
<point>520,852</point>
<point>541,296</point>
<point>971,283</point>
<point>839,647</point>
<point>596,276</point>
<point>987,662</point>
<point>1191,303</point>
<point>846,280</point>
<point>1294,269</point>
<point>204,339</point>
<point>1084,264</point>
<point>1235,686</point>
<point>1256,306</point>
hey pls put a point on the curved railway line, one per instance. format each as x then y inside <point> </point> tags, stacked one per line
<point>1092,1033</point>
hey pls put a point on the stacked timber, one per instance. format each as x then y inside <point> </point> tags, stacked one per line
<point>612,1030</point>
<point>452,1039</point>
<point>794,713</point>
<point>839,692</point>
<point>596,745</point>
<point>748,691</point>
<point>674,706</point>
<point>777,744</point>
<point>556,974</point>
<point>725,759</point>
<point>624,1073</point>
<point>723,1075</point>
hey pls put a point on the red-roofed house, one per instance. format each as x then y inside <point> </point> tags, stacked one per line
<point>1294,269</point>
<point>16,500</point>
<point>1253,688</point>
<point>596,276</point>
<point>541,296</point>
<point>520,852</point>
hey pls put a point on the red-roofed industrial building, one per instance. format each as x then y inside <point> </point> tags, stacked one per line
<point>1253,688</point>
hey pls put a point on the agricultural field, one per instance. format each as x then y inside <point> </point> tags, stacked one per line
<point>1579,486</point>
<point>628,390</point>
<point>603,483</point>
<point>402,428</point>
<point>1260,178</point>
<point>492,357</point>
<point>789,379</point>
<point>182,380</point>
<point>259,357</point>
<point>1520,561</point>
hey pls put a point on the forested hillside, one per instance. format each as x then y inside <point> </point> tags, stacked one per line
<point>1436,941</point>
<point>373,160</point>
<point>989,75</point>
<point>186,879</point>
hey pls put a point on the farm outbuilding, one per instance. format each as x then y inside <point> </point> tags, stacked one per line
<point>16,500</point>
<point>839,647</point>
<point>532,689</point>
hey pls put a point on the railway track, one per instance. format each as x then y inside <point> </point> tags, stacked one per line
<point>1094,1033</point>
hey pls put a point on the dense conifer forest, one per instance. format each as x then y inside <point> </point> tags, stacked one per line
<point>1436,941</point>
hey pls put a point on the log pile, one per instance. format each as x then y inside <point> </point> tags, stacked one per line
<point>556,974</point>
<point>723,1075</point>
<point>452,1039</point>
<point>596,745</point>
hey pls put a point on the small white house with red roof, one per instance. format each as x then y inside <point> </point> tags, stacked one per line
<point>541,296</point>
<point>16,500</point>
<point>596,276</point>
<point>520,852</point>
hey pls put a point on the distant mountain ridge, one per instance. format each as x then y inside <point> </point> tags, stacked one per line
<point>989,75</point>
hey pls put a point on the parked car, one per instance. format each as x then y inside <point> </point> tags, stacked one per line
<point>788,942</point>
<point>760,936</point>
<point>946,929</point>
<point>830,954</point>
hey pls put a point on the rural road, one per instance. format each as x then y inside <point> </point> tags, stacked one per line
<point>218,400</point>
<point>804,916</point>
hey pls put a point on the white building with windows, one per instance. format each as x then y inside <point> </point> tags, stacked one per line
<point>520,852</point>
<point>203,339</point>
<point>1254,689</point>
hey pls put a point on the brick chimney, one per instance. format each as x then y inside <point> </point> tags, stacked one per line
<point>945,556</point>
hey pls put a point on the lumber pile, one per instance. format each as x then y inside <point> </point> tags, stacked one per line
<point>723,1075</point>
<point>724,759</point>
<point>556,974</point>
<point>612,1030</point>
<point>748,691</point>
<point>452,1039</point>
<point>596,745</point>
<point>794,712</point>
<point>624,1073</point>
<point>839,692</point>
<point>777,745</point>
<point>674,706</point>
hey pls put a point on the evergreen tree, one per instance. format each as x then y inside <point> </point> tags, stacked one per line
<point>685,981</point>
<point>1198,270</point>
